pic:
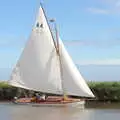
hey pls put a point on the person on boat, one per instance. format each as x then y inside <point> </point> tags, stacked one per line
<point>41,98</point>
<point>15,98</point>
<point>34,98</point>
<point>38,98</point>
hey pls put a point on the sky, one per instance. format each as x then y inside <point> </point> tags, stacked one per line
<point>89,29</point>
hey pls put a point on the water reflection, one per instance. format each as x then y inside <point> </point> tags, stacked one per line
<point>15,112</point>
<point>45,113</point>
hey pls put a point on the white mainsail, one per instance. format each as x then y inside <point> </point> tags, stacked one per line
<point>39,67</point>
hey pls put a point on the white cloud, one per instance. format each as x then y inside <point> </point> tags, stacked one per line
<point>94,43</point>
<point>10,41</point>
<point>99,62</point>
<point>108,7</point>
<point>110,2</point>
<point>118,3</point>
<point>98,11</point>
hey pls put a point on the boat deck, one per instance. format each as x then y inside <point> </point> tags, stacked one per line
<point>49,100</point>
<point>52,101</point>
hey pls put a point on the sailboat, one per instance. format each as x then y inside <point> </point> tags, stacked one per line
<point>46,66</point>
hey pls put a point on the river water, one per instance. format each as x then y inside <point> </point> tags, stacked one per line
<point>16,112</point>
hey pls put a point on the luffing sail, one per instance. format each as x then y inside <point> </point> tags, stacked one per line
<point>39,67</point>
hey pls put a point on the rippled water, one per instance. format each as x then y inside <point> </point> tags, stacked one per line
<point>17,112</point>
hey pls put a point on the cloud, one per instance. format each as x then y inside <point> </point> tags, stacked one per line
<point>111,2</point>
<point>11,41</point>
<point>107,7</point>
<point>99,62</point>
<point>98,11</point>
<point>118,3</point>
<point>94,43</point>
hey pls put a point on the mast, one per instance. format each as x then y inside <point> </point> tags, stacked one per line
<point>56,44</point>
<point>57,47</point>
<point>59,56</point>
<point>60,62</point>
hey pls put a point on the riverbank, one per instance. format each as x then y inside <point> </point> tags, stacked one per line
<point>102,105</point>
<point>105,92</point>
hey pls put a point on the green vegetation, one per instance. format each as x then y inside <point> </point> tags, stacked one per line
<point>4,85</point>
<point>106,91</point>
<point>6,91</point>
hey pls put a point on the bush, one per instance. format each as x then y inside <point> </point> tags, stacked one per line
<point>106,91</point>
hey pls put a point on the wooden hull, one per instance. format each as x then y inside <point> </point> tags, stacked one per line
<point>53,103</point>
<point>79,104</point>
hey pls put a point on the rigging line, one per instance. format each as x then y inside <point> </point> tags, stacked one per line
<point>57,39</point>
